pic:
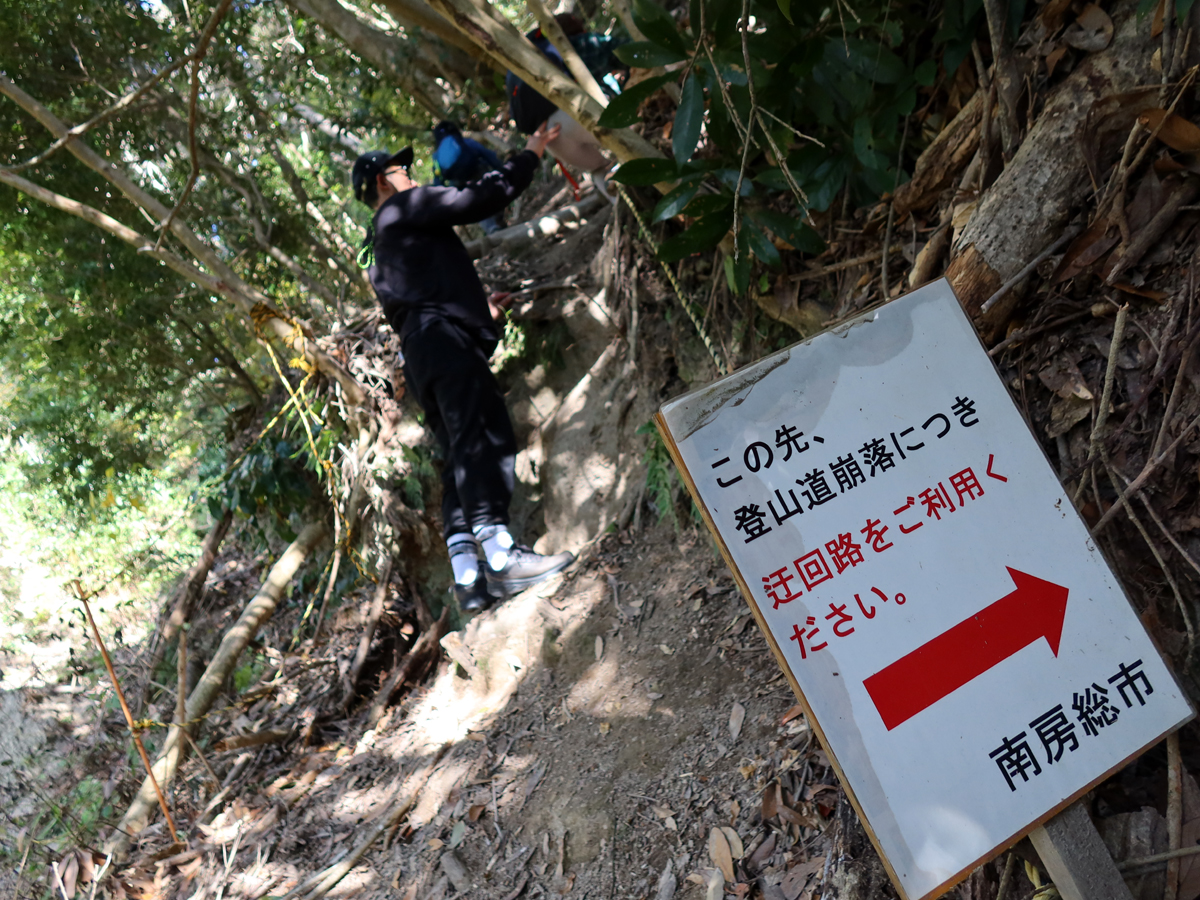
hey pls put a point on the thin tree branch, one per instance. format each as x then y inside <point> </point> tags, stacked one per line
<point>129,99</point>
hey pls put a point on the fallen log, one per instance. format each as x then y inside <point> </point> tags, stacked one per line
<point>940,162</point>
<point>517,237</point>
<point>256,613</point>
<point>1028,206</point>
<point>187,596</point>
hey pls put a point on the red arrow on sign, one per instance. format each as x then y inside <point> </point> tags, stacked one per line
<point>937,669</point>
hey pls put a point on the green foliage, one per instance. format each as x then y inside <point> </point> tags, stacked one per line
<point>833,86</point>
<point>664,490</point>
<point>249,671</point>
<point>269,477</point>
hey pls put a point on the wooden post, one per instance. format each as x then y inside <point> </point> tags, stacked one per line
<point>1076,859</point>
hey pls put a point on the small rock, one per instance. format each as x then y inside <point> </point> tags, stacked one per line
<point>456,871</point>
<point>666,883</point>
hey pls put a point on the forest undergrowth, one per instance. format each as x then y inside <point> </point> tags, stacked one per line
<point>621,732</point>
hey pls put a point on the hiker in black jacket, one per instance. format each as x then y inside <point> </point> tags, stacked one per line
<point>432,296</point>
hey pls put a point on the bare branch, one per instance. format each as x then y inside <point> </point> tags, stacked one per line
<point>129,99</point>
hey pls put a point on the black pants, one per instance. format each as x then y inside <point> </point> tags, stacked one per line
<point>447,369</point>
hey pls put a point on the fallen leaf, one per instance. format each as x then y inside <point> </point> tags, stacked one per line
<point>1091,31</point>
<point>716,885</point>
<point>1053,58</point>
<point>797,877</point>
<point>1086,250</point>
<point>457,833</point>
<point>68,872</point>
<point>792,713</point>
<point>669,823</point>
<point>1053,14</point>
<point>636,604</point>
<point>735,810</point>
<point>189,870</point>
<point>1062,376</point>
<point>1156,23</point>
<point>719,853</point>
<point>814,789</point>
<point>1066,414</point>
<point>1173,130</point>
<point>436,844</point>
<point>662,812</point>
<point>1148,293</point>
<point>762,852</point>
<point>605,727</point>
<point>735,842</point>
<point>771,801</point>
<point>737,716</point>
<point>599,647</point>
<point>665,649</point>
<point>475,812</point>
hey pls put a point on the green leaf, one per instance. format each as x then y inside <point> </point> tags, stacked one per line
<point>646,171</point>
<point>688,119</point>
<point>647,55</point>
<point>926,73</point>
<point>868,58</point>
<point>673,203</point>
<point>708,204</point>
<point>792,230</point>
<point>704,235</point>
<point>1182,8</point>
<point>785,7</point>
<point>737,272</point>
<point>762,246</point>
<point>864,145</point>
<point>658,26</point>
<point>622,110</point>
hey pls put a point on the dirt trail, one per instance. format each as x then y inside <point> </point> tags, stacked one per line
<point>620,732</point>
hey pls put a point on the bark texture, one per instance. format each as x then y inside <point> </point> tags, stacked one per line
<point>413,67</point>
<point>257,612</point>
<point>1027,207</point>
<point>508,49</point>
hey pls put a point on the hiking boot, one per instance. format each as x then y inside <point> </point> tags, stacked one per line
<point>474,598</point>
<point>525,569</point>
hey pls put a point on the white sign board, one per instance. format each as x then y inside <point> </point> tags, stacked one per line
<point>965,652</point>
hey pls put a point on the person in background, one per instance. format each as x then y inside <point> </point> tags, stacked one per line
<point>434,300</point>
<point>458,160</point>
<point>575,146</point>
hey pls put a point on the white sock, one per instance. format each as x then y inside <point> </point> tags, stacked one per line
<point>464,560</point>
<point>496,542</point>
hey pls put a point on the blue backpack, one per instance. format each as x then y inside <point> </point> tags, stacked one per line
<point>459,159</point>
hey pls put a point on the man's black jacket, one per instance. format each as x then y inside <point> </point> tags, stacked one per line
<point>421,268</point>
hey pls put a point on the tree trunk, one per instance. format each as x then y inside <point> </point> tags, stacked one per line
<point>508,49</point>
<point>1027,207</point>
<point>256,613</point>
<point>188,594</point>
<point>400,59</point>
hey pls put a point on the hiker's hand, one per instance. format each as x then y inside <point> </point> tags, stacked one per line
<point>498,304</point>
<point>539,139</point>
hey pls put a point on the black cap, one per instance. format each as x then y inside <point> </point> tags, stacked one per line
<point>369,165</point>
